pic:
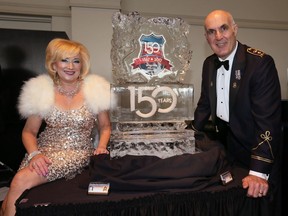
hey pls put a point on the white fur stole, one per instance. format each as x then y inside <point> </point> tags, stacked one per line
<point>37,95</point>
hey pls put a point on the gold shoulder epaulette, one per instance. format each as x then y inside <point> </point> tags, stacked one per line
<point>256,52</point>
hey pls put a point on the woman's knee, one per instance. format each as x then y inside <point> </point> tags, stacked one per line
<point>21,180</point>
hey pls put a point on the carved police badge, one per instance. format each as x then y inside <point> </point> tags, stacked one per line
<point>151,60</point>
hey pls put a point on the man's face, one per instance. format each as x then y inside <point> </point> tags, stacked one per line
<point>221,33</point>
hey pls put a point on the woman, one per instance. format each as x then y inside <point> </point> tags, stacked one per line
<point>69,101</point>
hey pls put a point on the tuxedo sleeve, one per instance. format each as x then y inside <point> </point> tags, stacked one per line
<point>266,111</point>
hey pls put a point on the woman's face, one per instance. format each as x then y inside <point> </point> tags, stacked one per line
<point>68,69</point>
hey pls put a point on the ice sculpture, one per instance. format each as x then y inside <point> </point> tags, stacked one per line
<point>149,50</point>
<point>150,57</point>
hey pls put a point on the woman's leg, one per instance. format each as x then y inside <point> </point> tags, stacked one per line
<point>24,179</point>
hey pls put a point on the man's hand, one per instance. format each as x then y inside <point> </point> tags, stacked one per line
<point>256,186</point>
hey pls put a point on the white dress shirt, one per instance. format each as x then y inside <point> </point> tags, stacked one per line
<point>223,88</point>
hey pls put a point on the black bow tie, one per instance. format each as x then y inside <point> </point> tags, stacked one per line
<point>218,64</point>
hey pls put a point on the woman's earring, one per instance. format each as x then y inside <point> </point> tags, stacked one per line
<point>80,77</point>
<point>56,78</point>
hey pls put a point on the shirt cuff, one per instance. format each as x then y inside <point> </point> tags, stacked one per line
<point>258,174</point>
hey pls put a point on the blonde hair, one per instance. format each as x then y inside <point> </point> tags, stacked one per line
<point>59,49</point>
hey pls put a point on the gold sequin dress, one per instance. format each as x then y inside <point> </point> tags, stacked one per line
<point>66,141</point>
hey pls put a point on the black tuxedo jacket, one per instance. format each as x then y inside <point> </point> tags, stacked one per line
<point>254,137</point>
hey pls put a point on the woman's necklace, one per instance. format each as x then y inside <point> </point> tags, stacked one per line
<point>70,93</point>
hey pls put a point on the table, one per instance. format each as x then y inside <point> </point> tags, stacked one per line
<point>63,197</point>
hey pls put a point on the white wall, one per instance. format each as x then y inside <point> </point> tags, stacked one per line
<point>59,23</point>
<point>245,9</point>
<point>273,42</point>
<point>200,50</point>
<point>93,28</point>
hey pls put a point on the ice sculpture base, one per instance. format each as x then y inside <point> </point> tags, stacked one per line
<point>162,144</point>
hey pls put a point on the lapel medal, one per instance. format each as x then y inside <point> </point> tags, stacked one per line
<point>237,75</point>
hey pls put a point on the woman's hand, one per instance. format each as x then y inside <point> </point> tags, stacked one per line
<point>100,150</point>
<point>40,164</point>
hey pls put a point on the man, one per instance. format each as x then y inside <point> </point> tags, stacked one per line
<point>243,99</point>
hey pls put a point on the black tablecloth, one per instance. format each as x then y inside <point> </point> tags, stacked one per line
<point>147,185</point>
<point>67,198</point>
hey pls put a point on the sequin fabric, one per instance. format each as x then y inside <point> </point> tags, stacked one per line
<point>66,141</point>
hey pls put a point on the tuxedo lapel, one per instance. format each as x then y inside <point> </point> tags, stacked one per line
<point>237,73</point>
<point>212,89</point>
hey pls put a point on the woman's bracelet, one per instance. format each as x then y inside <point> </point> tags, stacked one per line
<point>33,154</point>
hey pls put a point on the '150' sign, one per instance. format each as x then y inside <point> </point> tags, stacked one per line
<point>150,96</point>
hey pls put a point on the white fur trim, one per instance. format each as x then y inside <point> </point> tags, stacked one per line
<point>37,97</point>
<point>97,93</point>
